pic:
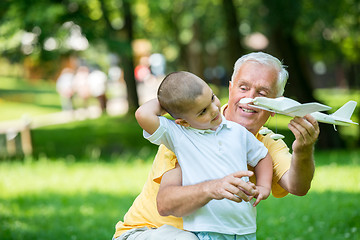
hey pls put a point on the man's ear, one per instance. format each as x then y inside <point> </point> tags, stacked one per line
<point>230,85</point>
<point>182,122</point>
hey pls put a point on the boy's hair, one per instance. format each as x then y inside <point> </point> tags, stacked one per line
<point>178,91</point>
<point>266,59</point>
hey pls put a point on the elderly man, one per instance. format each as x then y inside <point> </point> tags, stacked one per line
<point>156,213</point>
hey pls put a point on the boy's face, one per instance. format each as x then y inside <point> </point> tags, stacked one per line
<point>205,112</point>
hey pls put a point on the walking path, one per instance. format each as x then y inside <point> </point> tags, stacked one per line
<point>115,107</point>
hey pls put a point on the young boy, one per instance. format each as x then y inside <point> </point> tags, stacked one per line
<point>207,147</point>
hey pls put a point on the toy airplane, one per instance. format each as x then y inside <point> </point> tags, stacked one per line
<point>292,108</point>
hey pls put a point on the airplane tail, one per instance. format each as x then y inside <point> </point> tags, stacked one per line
<point>346,111</point>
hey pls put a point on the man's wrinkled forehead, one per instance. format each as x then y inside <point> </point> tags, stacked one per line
<point>256,80</point>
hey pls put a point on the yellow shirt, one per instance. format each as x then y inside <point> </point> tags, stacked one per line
<point>143,212</point>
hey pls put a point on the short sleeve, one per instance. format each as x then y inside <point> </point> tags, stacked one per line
<point>281,158</point>
<point>164,161</point>
<point>255,150</point>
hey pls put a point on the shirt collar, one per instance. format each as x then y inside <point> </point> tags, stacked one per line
<point>224,124</point>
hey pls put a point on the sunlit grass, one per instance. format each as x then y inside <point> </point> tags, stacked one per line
<point>13,83</point>
<point>344,176</point>
<point>61,177</point>
<point>60,199</point>
<point>17,110</point>
<point>337,97</point>
<point>330,209</point>
<point>19,97</point>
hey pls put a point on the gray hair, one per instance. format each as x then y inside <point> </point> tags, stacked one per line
<point>266,59</point>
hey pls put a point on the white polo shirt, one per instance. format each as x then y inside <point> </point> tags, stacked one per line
<point>205,155</point>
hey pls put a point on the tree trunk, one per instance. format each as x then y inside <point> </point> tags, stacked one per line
<point>234,48</point>
<point>119,42</point>
<point>128,59</point>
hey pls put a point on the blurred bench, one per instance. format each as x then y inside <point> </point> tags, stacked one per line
<point>21,128</point>
<point>12,130</point>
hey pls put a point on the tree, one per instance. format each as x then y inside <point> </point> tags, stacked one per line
<point>234,48</point>
<point>120,42</point>
<point>286,46</point>
<point>43,22</point>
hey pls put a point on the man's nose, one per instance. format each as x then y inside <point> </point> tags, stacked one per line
<point>251,94</point>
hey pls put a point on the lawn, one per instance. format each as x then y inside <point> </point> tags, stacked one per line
<point>19,97</point>
<point>60,200</point>
<point>47,199</point>
<point>84,175</point>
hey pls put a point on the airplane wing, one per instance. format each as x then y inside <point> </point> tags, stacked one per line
<point>285,106</point>
<point>306,108</point>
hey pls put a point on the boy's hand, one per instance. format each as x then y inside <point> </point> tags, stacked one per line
<point>231,187</point>
<point>262,194</point>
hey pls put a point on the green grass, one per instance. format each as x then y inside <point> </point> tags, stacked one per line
<point>19,97</point>
<point>106,137</point>
<point>57,200</point>
<point>84,176</point>
<point>54,199</point>
<point>330,209</point>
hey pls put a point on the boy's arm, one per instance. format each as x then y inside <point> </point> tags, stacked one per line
<point>263,172</point>
<point>147,115</point>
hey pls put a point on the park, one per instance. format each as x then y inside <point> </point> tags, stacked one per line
<point>74,174</point>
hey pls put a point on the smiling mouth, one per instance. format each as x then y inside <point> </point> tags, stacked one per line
<point>248,110</point>
<point>217,117</point>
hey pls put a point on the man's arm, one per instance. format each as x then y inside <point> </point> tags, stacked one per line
<point>297,180</point>
<point>263,173</point>
<point>147,115</point>
<point>177,200</point>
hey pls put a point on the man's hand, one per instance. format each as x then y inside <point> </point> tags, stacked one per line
<point>231,187</point>
<point>306,131</point>
<point>297,180</point>
<point>177,200</point>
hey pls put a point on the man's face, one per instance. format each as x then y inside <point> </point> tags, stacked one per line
<point>252,80</point>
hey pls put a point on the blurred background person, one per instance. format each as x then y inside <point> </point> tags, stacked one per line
<point>97,81</point>
<point>157,63</point>
<point>64,86</point>
<point>81,86</point>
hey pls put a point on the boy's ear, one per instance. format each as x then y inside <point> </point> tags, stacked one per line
<point>182,122</point>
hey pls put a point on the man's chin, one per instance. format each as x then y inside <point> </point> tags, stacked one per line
<point>243,120</point>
